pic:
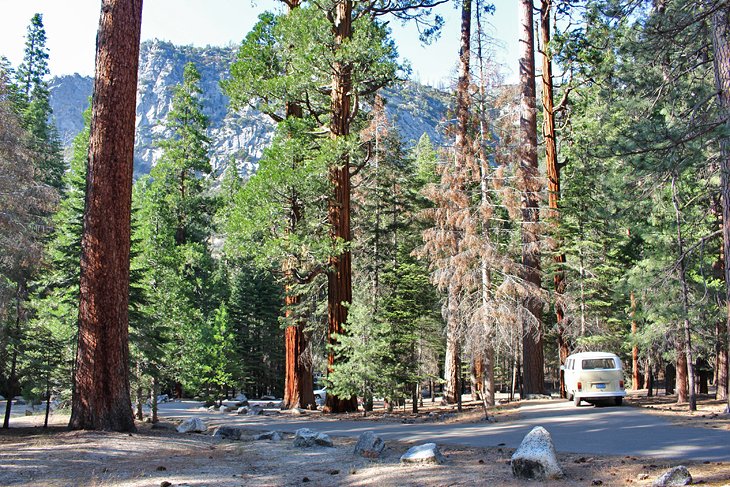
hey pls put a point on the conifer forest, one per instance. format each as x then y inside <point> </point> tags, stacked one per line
<point>582,206</point>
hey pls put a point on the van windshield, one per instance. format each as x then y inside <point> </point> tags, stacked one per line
<point>598,363</point>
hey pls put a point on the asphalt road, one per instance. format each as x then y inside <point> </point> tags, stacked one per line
<point>586,430</point>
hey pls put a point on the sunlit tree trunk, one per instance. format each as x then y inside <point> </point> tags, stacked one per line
<point>532,340</point>
<point>101,398</point>
<point>553,176</point>
<point>339,286</point>
<point>681,379</point>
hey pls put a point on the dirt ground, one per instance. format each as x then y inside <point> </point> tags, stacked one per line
<point>159,456</point>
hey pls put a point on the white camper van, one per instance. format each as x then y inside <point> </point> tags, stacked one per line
<point>594,377</point>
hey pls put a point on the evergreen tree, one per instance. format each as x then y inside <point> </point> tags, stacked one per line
<point>34,104</point>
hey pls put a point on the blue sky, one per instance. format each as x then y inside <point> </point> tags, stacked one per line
<point>71,30</point>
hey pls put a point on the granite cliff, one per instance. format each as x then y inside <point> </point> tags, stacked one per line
<point>241,135</point>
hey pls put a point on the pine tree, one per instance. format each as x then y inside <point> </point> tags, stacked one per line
<point>24,200</point>
<point>34,104</point>
<point>175,227</point>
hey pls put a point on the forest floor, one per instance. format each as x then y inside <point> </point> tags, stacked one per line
<point>159,456</point>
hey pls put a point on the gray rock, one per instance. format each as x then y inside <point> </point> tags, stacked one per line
<point>426,453</point>
<point>255,411</point>
<point>192,425</point>
<point>674,477</point>
<point>213,408</point>
<point>241,398</point>
<point>535,458</point>
<point>224,409</point>
<point>227,433</point>
<point>306,437</point>
<point>295,411</point>
<point>242,410</point>
<point>323,440</point>
<point>269,435</point>
<point>369,445</point>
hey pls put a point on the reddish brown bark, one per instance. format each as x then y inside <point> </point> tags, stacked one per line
<point>721,50</point>
<point>681,379</point>
<point>532,335</point>
<point>101,398</point>
<point>553,175</point>
<point>298,386</point>
<point>339,285</point>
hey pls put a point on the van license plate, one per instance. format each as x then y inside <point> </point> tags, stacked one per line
<point>600,386</point>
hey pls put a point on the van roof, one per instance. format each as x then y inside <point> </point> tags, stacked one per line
<point>593,355</point>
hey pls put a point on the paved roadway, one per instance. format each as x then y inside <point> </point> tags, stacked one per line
<point>586,430</point>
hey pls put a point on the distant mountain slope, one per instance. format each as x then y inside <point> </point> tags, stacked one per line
<point>242,135</point>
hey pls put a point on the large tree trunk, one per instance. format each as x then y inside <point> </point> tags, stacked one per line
<point>339,285</point>
<point>721,48</point>
<point>298,387</point>
<point>532,339</point>
<point>452,363</point>
<point>101,397</point>
<point>681,378</point>
<point>553,174</point>
<point>452,366</point>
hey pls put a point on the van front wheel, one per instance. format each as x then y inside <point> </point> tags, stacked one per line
<point>618,401</point>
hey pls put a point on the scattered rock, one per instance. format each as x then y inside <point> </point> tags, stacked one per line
<point>161,468</point>
<point>535,458</point>
<point>642,476</point>
<point>165,483</point>
<point>213,408</point>
<point>255,411</point>
<point>674,477</point>
<point>192,425</point>
<point>369,445</point>
<point>334,472</point>
<point>426,453</point>
<point>532,397</point>
<point>295,411</point>
<point>227,433</point>
<point>597,482</point>
<point>323,440</point>
<point>241,398</point>
<point>269,435</point>
<point>242,410</point>
<point>305,437</point>
<point>305,479</point>
<point>224,409</point>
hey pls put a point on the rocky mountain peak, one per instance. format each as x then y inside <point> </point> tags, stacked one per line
<point>240,136</point>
